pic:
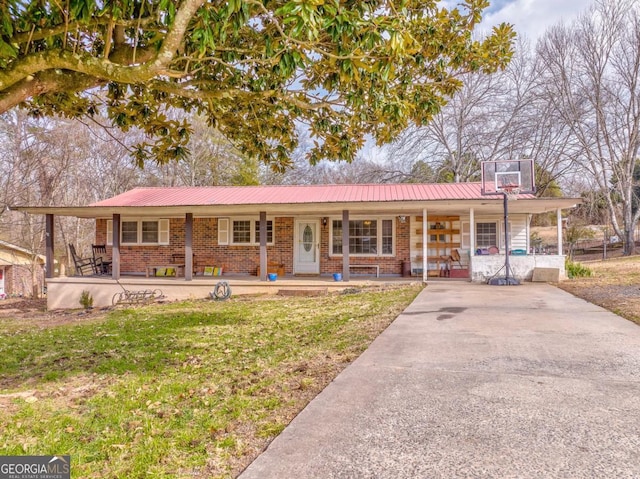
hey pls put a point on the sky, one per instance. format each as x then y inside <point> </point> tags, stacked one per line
<point>532,17</point>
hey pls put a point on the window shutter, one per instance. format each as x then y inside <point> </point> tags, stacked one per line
<point>163,232</point>
<point>109,239</point>
<point>223,231</point>
<point>465,237</point>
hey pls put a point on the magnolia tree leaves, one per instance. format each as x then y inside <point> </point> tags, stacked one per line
<point>257,70</point>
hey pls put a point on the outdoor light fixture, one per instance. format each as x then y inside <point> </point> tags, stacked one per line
<point>324,221</point>
<point>402,218</point>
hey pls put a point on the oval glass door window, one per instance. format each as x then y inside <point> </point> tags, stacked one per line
<point>307,238</point>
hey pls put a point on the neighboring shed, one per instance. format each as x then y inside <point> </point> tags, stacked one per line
<point>21,271</point>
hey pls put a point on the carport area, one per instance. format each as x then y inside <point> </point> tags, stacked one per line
<point>477,381</point>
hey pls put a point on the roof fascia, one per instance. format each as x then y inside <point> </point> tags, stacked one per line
<point>488,204</point>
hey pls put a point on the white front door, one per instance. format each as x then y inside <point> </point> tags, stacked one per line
<point>307,255</point>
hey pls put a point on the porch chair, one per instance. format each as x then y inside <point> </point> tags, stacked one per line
<point>454,257</point>
<point>103,265</point>
<point>83,266</point>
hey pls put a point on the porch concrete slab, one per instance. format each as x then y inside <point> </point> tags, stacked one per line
<point>64,292</point>
<point>474,380</point>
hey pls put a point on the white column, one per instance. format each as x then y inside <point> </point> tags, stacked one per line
<point>559,220</point>
<point>472,229</point>
<point>529,249</point>
<point>424,245</point>
<point>472,239</point>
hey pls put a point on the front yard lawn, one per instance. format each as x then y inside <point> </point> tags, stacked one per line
<point>178,390</point>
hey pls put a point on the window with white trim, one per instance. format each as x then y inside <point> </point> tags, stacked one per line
<point>140,231</point>
<point>367,237</point>
<point>486,234</point>
<point>247,231</point>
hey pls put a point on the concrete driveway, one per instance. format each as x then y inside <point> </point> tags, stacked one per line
<point>477,381</point>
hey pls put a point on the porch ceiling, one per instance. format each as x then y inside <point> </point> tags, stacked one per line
<point>486,205</point>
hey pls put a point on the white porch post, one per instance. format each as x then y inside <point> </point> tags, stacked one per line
<point>559,221</point>
<point>472,239</point>
<point>424,246</point>
<point>472,236</point>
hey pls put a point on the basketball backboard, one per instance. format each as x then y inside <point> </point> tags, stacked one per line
<point>498,176</point>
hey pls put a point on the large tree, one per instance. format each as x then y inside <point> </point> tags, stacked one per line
<point>592,75</point>
<point>255,69</point>
<point>492,117</point>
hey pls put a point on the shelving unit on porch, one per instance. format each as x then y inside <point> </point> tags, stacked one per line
<point>443,235</point>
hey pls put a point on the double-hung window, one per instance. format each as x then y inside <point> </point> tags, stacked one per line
<point>247,232</point>
<point>486,234</point>
<point>367,237</point>
<point>140,231</point>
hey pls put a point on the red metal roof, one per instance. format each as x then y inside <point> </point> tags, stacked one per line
<point>299,194</point>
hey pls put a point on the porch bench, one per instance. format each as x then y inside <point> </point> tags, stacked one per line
<point>376,266</point>
<point>273,267</point>
<point>152,269</point>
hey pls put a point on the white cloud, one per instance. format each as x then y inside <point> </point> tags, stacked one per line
<point>531,18</point>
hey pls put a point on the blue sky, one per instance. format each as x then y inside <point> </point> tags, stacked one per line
<point>530,17</point>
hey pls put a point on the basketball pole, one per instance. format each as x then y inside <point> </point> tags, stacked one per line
<point>507,280</point>
<point>505,204</point>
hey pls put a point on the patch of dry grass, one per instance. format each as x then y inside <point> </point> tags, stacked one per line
<point>614,285</point>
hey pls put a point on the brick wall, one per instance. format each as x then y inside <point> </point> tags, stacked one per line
<point>245,259</point>
<point>18,280</point>
<point>388,265</point>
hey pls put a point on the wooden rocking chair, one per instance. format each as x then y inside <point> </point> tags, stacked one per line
<point>83,266</point>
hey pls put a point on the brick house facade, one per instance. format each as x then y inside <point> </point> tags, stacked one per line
<point>245,259</point>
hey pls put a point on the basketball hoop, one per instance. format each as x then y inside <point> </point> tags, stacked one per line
<point>508,178</point>
<point>511,192</point>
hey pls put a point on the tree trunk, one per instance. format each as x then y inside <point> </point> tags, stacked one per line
<point>629,240</point>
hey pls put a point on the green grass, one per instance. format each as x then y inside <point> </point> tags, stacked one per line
<point>577,270</point>
<point>192,388</point>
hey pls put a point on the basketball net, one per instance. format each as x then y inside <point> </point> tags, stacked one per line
<point>511,192</point>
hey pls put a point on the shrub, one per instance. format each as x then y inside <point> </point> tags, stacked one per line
<point>86,300</point>
<point>577,270</point>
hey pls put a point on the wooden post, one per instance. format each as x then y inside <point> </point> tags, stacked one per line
<point>49,236</point>
<point>188,247</point>
<point>345,245</point>
<point>115,252</point>
<point>263,246</point>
